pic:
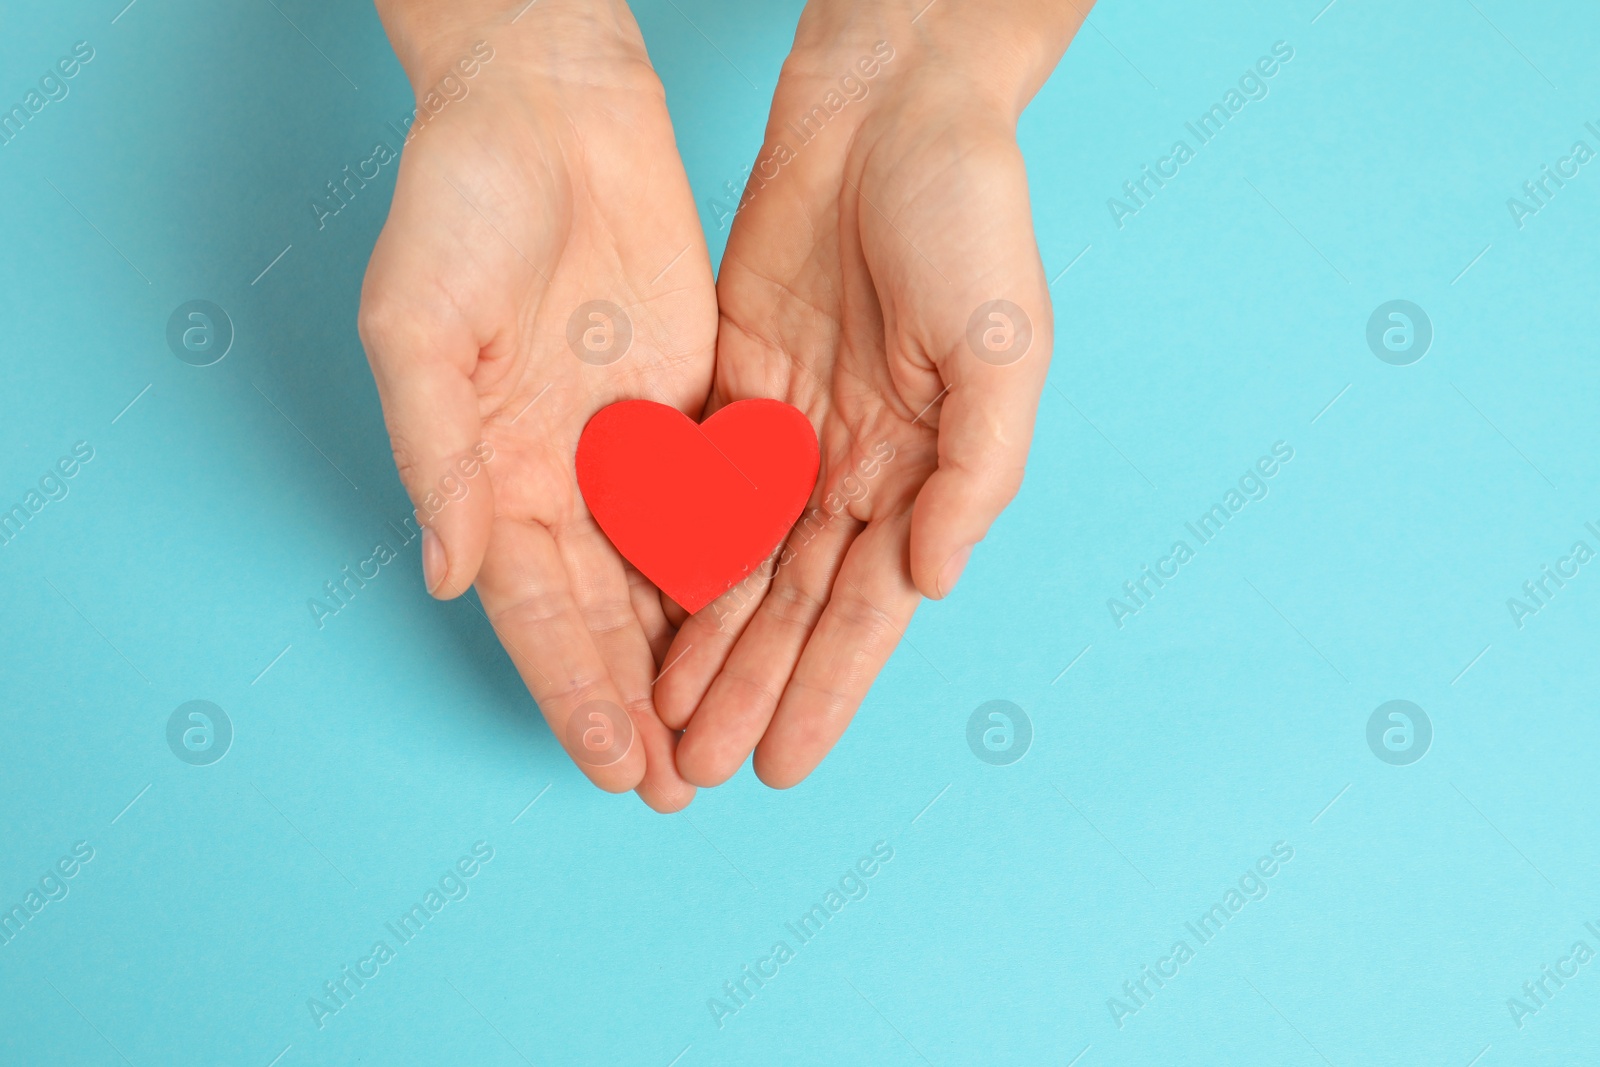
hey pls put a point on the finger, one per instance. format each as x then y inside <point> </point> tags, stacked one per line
<point>990,337</point>
<point>662,788</point>
<point>745,693</point>
<point>604,598</point>
<point>703,643</point>
<point>868,611</point>
<point>422,359</point>
<point>647,606</point>
<point>528,598</point>
<point>985,430</point>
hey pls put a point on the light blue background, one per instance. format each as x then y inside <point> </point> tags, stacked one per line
<point>1223,718</point>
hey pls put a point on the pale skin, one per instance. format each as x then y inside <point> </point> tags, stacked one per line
<point>848,287</point>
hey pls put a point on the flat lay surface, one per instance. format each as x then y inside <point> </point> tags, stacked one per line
<point>1259,729</point>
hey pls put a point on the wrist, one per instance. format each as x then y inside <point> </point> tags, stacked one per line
<point>997,53</point>
<point>558,38</point>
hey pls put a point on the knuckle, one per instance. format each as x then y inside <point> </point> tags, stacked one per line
<point>1007,480</point>
<point>534,611</point>
<point>792,605</point>
<point>404,458</point>
<point>762,693</point>
<point>609,617</point>
<point>873,625</point>
<point>570,690</point>
<point>996,474</point>
<point>637,582</point>
<point>387,324</point>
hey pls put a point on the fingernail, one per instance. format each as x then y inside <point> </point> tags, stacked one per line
<point>434,563</point>
<point>952,570</point>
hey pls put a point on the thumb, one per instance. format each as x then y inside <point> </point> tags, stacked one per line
<point>422,363</point>
<point>984,322</point>
<point>995,372</point>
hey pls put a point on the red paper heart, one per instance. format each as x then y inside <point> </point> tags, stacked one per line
<point>696,508</point>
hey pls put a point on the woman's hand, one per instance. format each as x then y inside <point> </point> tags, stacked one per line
<point>882,276</point>
<point>542,258</point>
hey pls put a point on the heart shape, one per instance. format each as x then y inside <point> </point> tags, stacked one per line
<point>697,507</point>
